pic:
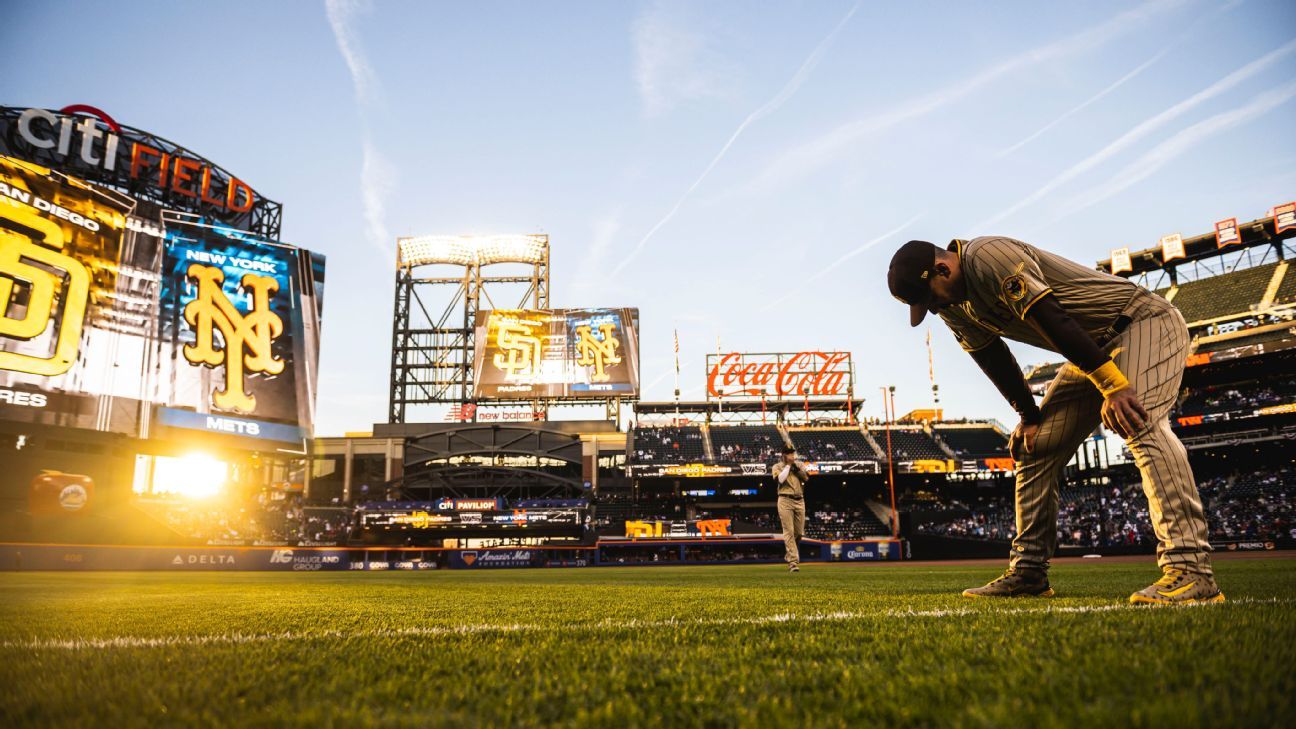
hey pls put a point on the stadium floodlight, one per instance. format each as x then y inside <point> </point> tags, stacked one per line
<point>194,476</point>
<point>427,249</point>
<point>464,250</point>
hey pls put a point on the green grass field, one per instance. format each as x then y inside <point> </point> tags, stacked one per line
<point>656,646</point>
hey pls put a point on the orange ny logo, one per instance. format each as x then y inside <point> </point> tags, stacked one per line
<point>246,339</point>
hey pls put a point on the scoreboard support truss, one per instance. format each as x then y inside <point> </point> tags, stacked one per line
<point>433,316</point>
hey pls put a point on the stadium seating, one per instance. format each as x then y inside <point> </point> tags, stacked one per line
<point>1228,293</point>
<point>665,445</point>
<point>1286,293</point>
<point>974,442</point>
<point>1238,396</point>
<point>829,522</point>
<point>746,443</point>
<point>1253,505</point>
<point>832,444</point>
<point>910,445</point>
<point>1265,337</point>
<point>989,517</point>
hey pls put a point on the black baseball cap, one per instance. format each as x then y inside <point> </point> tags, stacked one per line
<point>909,277</point>
<point>788,449</point>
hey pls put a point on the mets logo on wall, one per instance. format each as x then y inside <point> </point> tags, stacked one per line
<point>246,339</point>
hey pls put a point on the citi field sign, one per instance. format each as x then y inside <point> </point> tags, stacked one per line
<point>88,143</point>
<point>780,376</point>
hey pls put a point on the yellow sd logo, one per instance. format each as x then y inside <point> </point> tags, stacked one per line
<point>19,250</point>
<point>522,350</point>
<point>247,338</point>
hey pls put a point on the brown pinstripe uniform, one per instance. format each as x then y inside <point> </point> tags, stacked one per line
<point>1148,339</point>
<point>791,509</point>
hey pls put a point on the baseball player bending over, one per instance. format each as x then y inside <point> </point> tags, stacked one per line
<point>1126,348</point>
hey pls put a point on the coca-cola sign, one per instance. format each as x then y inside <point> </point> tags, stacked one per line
<point>781,376</point>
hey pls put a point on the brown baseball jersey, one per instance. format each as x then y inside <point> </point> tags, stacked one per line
<point>790,486</point>
<point>1006,277</point>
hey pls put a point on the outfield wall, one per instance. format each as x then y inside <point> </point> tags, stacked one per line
<point>90,557</point>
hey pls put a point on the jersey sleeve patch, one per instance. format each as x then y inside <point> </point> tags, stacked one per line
<point>1013,288</point>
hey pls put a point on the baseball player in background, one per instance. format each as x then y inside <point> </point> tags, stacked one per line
<point>1126,348</point>
<point>791,477</point>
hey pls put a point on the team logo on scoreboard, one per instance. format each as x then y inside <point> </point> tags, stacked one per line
<point>246,338</point>
<point>600,352</point>
<point>521,350</point>
<point>31,238</point>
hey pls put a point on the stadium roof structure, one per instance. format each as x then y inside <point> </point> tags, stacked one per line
<point>1200,247</point>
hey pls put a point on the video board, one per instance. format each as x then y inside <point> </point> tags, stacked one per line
<point>121,317</point>
<point>524,354</point>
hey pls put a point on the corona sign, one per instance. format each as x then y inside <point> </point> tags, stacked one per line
<point>532,354</point>
<point>787,376</point>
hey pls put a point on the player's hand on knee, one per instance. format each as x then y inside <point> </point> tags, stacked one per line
<point>1023,436</point>
<point>1122,412</point>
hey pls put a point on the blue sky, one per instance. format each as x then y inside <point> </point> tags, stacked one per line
<point>738,170</point>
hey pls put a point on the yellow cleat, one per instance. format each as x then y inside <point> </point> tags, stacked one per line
<point>1177,587</point>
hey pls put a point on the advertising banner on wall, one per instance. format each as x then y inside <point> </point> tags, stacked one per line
<point>779,376</point>
<point>523,354</point>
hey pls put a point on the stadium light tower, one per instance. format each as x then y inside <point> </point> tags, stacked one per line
<point>432,354</point>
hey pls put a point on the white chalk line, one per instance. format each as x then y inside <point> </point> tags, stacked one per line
<point>602,625</point>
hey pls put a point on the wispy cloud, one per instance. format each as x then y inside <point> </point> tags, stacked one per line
<point>1142,130</point>
<point>1088,102</point>
<point>1167,151</point>
<point>673,63</point>
<point>589,277</point>
<point>769,107</point>
<point>889,235</point>
<point>377,175</point>
<point>1203,20</point>
<point>377,182</point>
<point>341,14</point>
<point>658,379</point>
<point>803,159</point>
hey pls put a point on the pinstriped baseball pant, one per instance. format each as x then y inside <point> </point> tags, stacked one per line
<point>1151,352</point>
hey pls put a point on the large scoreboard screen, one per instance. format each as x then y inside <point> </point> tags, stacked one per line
<point>116,315</point>
<point>524,354</point>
